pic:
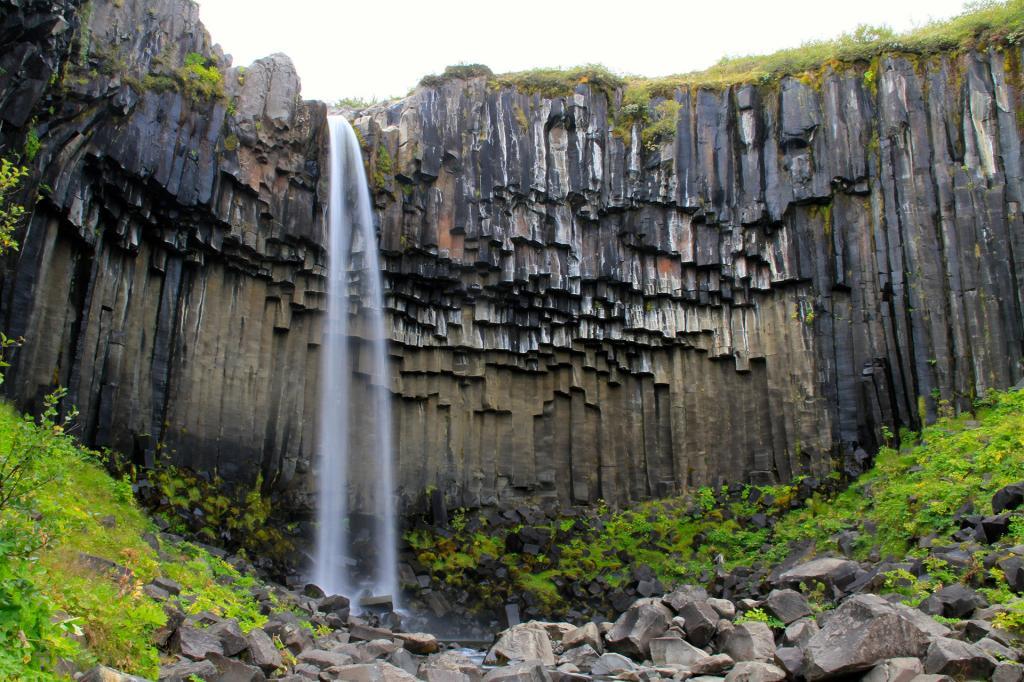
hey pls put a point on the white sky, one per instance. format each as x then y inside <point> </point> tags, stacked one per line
<point>365,49</point>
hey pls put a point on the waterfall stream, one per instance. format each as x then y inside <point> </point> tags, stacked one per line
<point>356,544</point>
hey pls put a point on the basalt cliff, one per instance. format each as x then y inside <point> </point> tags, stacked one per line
<point>578,310</point>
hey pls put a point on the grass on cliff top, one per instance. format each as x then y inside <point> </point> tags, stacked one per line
<point>910,493</point>
<point>981,24</point>
<point>54,603</point>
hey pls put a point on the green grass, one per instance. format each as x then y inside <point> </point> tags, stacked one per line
<point>78,508</point>
<point>910,493</point>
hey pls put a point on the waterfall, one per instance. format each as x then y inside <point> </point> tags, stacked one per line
<point>356,544</point>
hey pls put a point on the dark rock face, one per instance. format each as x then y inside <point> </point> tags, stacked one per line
<point>574,316</point>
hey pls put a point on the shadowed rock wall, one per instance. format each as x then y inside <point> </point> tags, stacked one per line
<point>575,316</point>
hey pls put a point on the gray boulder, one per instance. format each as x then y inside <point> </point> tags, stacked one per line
<point>700,621</point>
<point>531,671</point>
<point>185,671</point>
<point>102,673</point>
<point>833,573</point>
<point>523,642</point>
<point>232,670</point>
<point>755,671</point>
<point>712,665</point>
<point>324,659</point>
<point>953,601</point>
<point>612,664</point>
<point>196,643</point>
<point>895,670</point>
<point>674,651</point>
<point>634,629</point>
<point>958,659</point>
<point>799,633</point>
<point>262,652</point>
<point>583,657</point>
<point>787,605</point>
<point>586,634</point>
<point>1008,672</point>
<point>751,641</point>
<point>864,631</point>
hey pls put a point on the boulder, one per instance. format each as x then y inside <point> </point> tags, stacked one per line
<point>958,659</point>
<point>895,670</point>
<point>230,636</point>
<point>791,659</point>
<point>586,634</point>
<point>378,671</point>
<point>674,651</point>
<point>419,642</point>
<point>799,633</point>
<point>102,673</point>
<point>583,657</point>
<point>612,664</point>
<point>531,671</point>
<point>1008,672</point>
<point>186,671</point>
<point>262,652</point>
<point>336,604</point>
<point>831,572</point>
<point>324,659</point>
<point>725,608</point>
<point>682,595</point>
<point>524,642</point>
<point>701,621</point>
<point>752,641</point>
<point>953,601</point>
<point>196,643</point>
<point>755,671</point>
<point>634,629</point>
<point>864,631</point>
<point>712,665</point>
<point>787,605</point>
<point>232,670</point>
<point>1008,498</point>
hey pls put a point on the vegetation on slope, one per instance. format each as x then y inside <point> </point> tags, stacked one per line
<point>75,551</point>
<point>911,493</point>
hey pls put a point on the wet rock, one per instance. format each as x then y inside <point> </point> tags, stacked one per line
<point>635,628</point>
<point>525,642</point>
<point>336,604</point>
<point>958,659</point>
<point>863,631</point>
<point>787,605</point>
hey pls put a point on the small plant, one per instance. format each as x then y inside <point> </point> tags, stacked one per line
<point>759,615</point>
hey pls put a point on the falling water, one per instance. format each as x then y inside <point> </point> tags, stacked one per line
<point>355,452</point>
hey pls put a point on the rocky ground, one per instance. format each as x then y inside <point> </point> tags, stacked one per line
<point>687,633</point>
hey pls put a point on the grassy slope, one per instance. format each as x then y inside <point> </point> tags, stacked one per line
<point>909,494</point>
<point>84,510</point>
